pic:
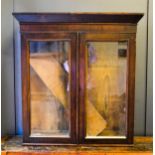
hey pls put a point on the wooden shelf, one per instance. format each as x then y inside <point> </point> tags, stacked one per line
<point>141,146</point>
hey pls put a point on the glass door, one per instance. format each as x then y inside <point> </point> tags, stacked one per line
<point>104,104</point>
<point>51,105</point>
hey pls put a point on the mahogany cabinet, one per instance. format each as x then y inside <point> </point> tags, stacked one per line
<point>78,75</point>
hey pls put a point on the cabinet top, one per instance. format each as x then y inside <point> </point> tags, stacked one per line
<point>34,18</point>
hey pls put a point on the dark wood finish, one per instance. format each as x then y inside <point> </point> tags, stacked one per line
<point>78,17</point>
<point>78,28</point>
<point>130,84</point>
<point>26,86</point>
<point>141,146</point>
<point>97,28</point>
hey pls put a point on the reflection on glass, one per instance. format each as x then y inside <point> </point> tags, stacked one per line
<point>106,89</point>
<point>49,85</point>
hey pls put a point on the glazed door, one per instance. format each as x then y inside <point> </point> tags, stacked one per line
<point>49,87</point>
<point>106,88</point>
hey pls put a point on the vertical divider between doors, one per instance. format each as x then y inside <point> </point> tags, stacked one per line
<point>77,86</point>
<point>81,88</point>
<point>73,89</point>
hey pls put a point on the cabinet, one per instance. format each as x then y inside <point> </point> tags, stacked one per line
<point>78,74</point>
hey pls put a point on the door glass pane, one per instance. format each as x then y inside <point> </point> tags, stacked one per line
<point>49,88</point>
<point>106,95</point>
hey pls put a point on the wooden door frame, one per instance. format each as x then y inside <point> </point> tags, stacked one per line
<point>84,37</point>
<point>25,57</point>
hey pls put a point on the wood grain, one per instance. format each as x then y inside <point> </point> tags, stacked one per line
<point>77,28</point>
<point>27,138</point>
<point>142,146</point>
<point>92,37</point>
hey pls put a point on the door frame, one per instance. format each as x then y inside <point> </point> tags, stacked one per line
<point>25,58</point>
<point>85,37</point>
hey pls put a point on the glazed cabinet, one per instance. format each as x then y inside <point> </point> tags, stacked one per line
<point>78,75</point>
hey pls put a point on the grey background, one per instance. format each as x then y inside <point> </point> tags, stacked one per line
<point>11,81</point>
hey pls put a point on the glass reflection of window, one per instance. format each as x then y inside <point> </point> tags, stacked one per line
<point>49,82</point>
